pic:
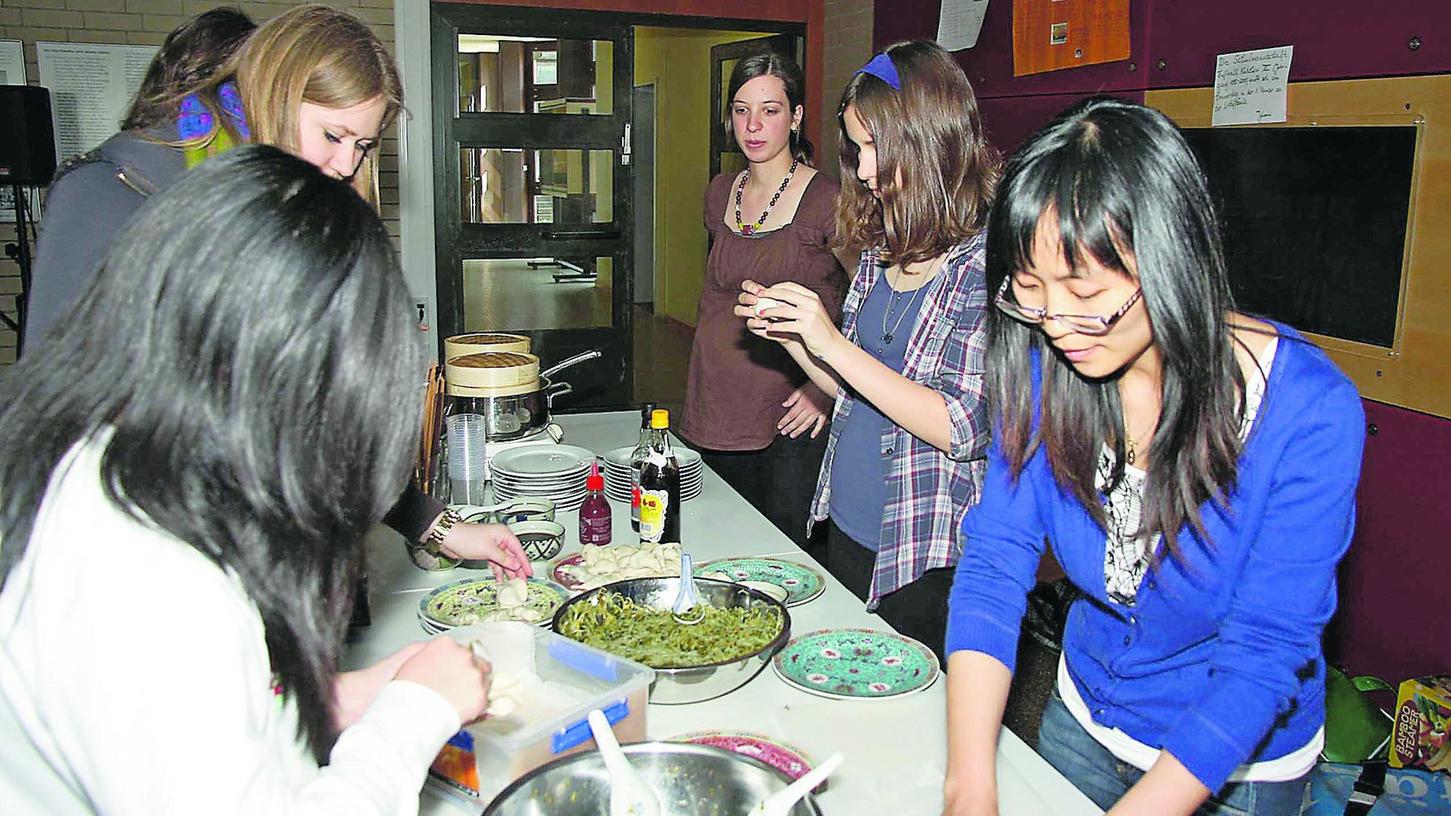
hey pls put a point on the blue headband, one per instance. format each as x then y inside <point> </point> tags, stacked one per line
<point>882,68</point>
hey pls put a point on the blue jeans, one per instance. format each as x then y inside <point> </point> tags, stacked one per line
<point>1105,778</point>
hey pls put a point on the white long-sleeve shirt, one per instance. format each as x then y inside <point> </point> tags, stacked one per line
<point>134,679</point>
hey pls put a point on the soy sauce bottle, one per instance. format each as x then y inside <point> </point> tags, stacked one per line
<point>637,461</point>
<point>660,486</point>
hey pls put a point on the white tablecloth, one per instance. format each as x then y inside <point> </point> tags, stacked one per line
<point>895,749</point>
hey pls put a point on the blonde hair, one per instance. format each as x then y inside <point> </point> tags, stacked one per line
<point>321,55</point>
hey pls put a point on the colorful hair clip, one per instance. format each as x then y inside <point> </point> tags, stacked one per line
<point>882,67</point>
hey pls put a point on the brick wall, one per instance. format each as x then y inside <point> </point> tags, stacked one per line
<point>146,22</point>
<point>848,45</point>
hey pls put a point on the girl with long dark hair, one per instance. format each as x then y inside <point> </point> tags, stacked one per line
<point>188,465</point>
<point>755,418</point>
<point>909,431</point>
<point>1193,468</point>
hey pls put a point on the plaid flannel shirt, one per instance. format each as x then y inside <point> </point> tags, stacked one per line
<point>927,490</point>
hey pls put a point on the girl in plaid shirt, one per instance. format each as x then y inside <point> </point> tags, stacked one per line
<point>909,432</point>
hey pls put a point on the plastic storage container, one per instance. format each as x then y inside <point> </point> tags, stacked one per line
<point>484,757</point>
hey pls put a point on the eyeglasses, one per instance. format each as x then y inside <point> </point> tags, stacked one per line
<point>1094,325</point>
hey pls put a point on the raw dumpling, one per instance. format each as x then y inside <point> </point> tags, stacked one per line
<point>515,592</point>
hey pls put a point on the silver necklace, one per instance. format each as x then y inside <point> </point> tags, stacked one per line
<point>889,331</point>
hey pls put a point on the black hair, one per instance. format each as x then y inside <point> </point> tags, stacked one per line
<point>189,56</point>
<point>248,347</point>
<point>1124,189</point>
<point>782,67</point>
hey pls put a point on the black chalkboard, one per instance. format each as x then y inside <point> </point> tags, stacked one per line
<point>1315,222</point>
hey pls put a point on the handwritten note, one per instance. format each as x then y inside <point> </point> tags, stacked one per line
<point>959,22</point>
<point>1250,86</point>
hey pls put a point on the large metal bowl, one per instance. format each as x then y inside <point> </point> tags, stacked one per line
<point>690,780</point>
<point>695,684</point>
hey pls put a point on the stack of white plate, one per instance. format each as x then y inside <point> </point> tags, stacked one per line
<point>617,473</point>
<point>554,472</point>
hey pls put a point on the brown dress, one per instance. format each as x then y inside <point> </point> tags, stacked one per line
<point>738,381</point>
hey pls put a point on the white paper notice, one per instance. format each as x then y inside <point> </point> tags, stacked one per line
<point>959,22</point>
<point>1250,86</point>
<point>12,62</point>
<point>90,88</point>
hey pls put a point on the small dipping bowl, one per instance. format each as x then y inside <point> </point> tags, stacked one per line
<point>526,509</point>
<point>425,560</point>
<point>541,540</point>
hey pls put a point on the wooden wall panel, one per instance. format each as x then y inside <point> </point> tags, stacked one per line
<point>1415,375</point>
<point>1051,35</point>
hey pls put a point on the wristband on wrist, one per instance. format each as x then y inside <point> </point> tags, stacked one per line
<point>433,541</point>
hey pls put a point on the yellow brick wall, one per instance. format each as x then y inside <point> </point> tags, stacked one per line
<point>146,22</point>
<point>848,45</point>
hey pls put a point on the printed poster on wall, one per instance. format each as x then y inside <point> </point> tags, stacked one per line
<point>91,86</point>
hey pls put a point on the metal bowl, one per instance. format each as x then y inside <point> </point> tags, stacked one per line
<point>695,684</point>
<point>690,780</point>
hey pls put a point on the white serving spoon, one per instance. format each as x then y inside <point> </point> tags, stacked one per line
<point>686,598</point>
<point>781,802</point>
<point>629,795</point>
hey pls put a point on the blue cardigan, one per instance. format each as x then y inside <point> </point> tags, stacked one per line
<point>1219,661</point>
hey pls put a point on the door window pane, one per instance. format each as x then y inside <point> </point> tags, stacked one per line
<point>525,294</point>
<point>499,74</point>
<point>548,186</point>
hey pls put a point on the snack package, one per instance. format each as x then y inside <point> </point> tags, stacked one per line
<point>1423,716</point>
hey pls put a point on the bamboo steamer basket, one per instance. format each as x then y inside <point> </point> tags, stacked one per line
<point>479,342</point>
<point>492,374</point>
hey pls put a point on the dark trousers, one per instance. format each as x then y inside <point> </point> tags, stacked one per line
<point>917,610</point>
<point>779,481</point>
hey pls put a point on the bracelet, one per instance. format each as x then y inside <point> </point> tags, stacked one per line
<point>433,542</point>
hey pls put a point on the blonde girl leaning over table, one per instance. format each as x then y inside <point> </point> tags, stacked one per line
<point>1193,468</point>
<point>314,81</point>
<point>753,415</point>
<point>182,514</point>
<point>909,431</point>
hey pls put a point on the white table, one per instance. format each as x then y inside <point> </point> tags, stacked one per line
<point>895,749</point>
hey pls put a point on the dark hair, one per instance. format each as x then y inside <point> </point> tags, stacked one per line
<point>248,345</point>
<point>774,64</point>
<point>929,133</point>
<point>1125,190</point>
<point>190,55</point>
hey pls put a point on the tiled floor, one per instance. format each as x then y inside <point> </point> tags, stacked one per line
<point>662,358</point>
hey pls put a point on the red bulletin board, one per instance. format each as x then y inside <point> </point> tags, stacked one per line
<point>1049,35</point>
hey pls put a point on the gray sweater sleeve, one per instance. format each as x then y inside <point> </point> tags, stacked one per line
<point>84,210</point>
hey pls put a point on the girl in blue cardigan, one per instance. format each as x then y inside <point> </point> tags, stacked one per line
<point>1193,468</point>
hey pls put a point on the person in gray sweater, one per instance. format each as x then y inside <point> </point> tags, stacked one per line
<point>262,93</point>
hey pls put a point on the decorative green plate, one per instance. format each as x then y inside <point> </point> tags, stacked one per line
<point>476,600</point>
<point>802,583</point>
<point>856,664</point>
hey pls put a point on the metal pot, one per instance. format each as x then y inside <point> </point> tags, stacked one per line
<point>519,415</point>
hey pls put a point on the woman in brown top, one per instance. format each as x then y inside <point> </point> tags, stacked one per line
<point>749,411</point>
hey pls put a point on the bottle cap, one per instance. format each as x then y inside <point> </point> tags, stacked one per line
<point>594,481</point>
<point>659,418</point>
<point>646,409</point>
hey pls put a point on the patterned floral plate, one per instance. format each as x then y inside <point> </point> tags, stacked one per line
<point>856,664</point>
<point>475,600</point>
<point>802,583</point>
<point>788,759</point>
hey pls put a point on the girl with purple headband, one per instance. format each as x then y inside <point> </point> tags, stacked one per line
<point>909,432</point>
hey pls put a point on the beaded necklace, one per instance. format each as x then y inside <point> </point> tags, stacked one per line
<point>751,229</point>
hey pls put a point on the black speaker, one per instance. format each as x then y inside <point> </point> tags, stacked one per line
<point>27,140</point>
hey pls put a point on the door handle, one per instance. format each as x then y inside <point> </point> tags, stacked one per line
<point>579,235</point>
